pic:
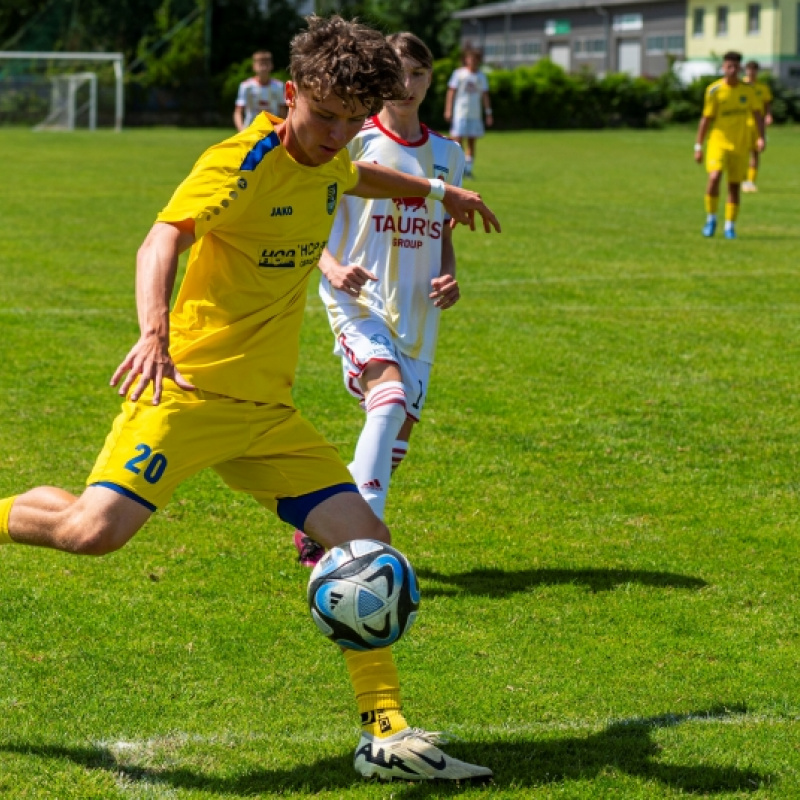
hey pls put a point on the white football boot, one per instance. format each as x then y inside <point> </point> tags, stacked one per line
<point>412,755</point>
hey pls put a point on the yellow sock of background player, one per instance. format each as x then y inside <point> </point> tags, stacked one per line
<point>752,174</point>
<point>377,686</point>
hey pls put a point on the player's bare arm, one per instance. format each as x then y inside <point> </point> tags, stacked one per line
<point>376,181</point>
<point>761,141</point>
<point>445,291</point>
<point>349,278</point>
<point>149,360</point>
<point>702,130</point>
<point>448,105</point>
<point>238,118</point>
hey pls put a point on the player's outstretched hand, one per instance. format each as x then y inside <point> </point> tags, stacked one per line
<point>147,362</point>
<point>461,205</point>
<point>349,278</point>
<point>445,292</point>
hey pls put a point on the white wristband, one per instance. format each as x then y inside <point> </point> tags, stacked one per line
<point>437,189</point>
<point>698,147</point>
<point>488,112</point>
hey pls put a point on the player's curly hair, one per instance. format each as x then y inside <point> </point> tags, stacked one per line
<point>346,58</point>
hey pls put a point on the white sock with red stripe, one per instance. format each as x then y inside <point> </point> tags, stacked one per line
<point>399,452</point>
<point>372,463</point>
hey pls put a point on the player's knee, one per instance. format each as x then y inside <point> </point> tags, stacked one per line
<point>373,528</point>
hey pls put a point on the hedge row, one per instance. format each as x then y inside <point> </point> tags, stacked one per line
<point>544,96</point>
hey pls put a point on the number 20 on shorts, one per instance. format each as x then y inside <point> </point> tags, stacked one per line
<point>150,466</point>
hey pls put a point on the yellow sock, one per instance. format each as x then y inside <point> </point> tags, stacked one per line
<point>711,204</point>
<point>5,513</point>
<point>752,174</point>
<point>377,686</point>
<point>731,212</point>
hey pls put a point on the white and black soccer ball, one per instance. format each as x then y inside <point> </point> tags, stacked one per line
<point>363,594</point>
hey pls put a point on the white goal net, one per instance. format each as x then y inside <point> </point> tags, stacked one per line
<point>61,91</point>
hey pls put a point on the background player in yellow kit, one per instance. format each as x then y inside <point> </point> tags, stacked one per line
<point>209,385</point>
<point>728,105</point>
<point>764,95</point>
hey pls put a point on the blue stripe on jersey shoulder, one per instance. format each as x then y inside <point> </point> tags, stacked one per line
<point>715,87</point>
<point>259,150</point>
<point>115,487</point>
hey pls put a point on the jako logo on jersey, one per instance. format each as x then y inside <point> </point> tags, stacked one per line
<point>440,170</point>
<point>277,259</point>
<point>281,211</point>
<point>333,192</point>
<point>410,204</point>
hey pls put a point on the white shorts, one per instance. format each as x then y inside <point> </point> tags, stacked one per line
<point>462,127</point>
<point>366,340</point>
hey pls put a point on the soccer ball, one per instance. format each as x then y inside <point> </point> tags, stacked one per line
<point>363,595</point>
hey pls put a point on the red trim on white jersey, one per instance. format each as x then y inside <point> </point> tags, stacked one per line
<point>395,138</point>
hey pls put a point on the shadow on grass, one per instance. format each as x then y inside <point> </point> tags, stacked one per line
<point>501,583</point>
<point>624,747</point>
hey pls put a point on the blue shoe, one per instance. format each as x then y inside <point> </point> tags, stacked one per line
<point>710,228</point>
<point>730,233</point>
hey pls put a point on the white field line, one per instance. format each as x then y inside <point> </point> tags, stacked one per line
<point>655,277</point>
<point>127,750</point>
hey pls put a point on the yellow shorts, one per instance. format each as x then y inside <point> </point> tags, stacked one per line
<point>268,451</point>
<point>752,137</point>
<point>730,161</point>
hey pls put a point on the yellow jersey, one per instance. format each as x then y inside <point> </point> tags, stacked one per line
<point>730,108</point>
<point>261,223</point>
<point>764,95</point>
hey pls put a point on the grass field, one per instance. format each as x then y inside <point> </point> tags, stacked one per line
<point>601,501</point>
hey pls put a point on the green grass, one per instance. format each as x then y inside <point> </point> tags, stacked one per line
<point>601,500</point>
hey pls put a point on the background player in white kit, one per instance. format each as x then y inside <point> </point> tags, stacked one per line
<point>388,272</point>
<point>260,93</point>
<point>466,102</point>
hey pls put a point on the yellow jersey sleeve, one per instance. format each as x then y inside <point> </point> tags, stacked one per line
<point>215,189</point>
<point>710,101</point>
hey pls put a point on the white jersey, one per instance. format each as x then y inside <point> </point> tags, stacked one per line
<point>399,240</point>
<point>469,89</point>
<point>255,98</point>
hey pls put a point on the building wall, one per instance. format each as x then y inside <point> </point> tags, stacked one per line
<point>774,45</point>
<point>590,38</point>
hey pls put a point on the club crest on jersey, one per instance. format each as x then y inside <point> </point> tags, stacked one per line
<point>410,204</point>
<point>333,193</point>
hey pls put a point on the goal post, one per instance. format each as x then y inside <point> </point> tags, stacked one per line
<point>66,86</point>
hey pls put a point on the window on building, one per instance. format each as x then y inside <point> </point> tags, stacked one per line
<point>530,48</point>
<point>722,20</point>
<point>627,22</point>
<point>698,21</point>
<point>754,19</point>
<point>589,48</point>
<point>676,44</point>
<point>654,45</point>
